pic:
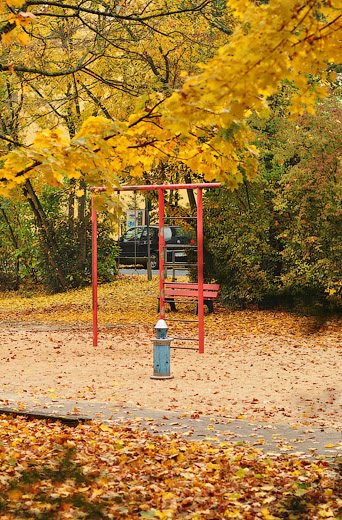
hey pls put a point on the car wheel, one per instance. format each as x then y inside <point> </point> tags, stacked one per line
<point>154,261</point>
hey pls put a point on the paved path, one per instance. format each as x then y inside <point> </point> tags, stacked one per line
<point>273,439</point>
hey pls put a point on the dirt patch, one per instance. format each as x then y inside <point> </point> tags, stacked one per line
<point>273,376</point>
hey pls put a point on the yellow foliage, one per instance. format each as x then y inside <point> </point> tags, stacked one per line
<point>23,38</point>
<point>51,138</point>
<point>8,38</point>
<point>280,43</point>
<point>204,125</point>
<point>15,3</point>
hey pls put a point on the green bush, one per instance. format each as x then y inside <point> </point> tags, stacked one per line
<point>18,247</point>
<point>277,241</point>
<point>238,250</point>
<point>24,256</point>
<point>73,239</point>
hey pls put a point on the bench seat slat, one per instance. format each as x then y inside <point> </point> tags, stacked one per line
<point>179,285</point>
<point>191,294</point>
<point>190,290</point>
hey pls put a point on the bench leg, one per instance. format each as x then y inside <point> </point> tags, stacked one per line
<point>209,304</point>
<point>170,302</point>
<point>172,305</point>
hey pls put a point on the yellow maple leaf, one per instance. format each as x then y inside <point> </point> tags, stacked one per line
<point>23,38</point>
<point>15,3</point>
<point>105,428</point>
<point>7,38</point>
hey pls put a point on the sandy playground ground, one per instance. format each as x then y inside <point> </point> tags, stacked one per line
<point>277,374</point>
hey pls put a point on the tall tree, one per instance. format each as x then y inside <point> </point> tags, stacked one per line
<point>205,124</point>
<point>117,61</point>
<point>277,239</point>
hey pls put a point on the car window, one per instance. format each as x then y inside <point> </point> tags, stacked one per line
<point>170,233</point>
<point>133,234</point>
<point>167,233</point>
<point>153,233</point>
<point>179,232</point>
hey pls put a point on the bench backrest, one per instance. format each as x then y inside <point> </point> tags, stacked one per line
<point>210,290</point>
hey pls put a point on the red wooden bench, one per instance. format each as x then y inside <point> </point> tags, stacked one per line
<point>183,292</point>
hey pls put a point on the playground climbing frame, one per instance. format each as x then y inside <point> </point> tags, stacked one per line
<point>160,188</point>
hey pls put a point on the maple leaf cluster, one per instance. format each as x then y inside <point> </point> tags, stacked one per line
<point>205,124</point>
<point>51,470</point>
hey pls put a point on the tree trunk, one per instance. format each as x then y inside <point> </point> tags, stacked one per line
<point>191,195</point>
<point>48,235</point>
<point>15,244</point>
<point>71,207</point>
<point>82,229</point>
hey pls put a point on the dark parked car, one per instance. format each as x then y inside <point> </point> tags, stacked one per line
<point>133,245</point>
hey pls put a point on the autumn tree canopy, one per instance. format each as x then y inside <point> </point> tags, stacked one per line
<point>120,64</point>
<point>205,123</point>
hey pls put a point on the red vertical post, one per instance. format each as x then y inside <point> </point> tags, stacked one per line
<point>161,253</point>
<point>200,264</point>
<point>94,268</point>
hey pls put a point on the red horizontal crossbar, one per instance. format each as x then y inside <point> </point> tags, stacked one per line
<point>148,187</point>
<point>164,187</point>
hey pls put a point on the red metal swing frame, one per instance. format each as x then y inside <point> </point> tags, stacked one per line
<point>160,188</point>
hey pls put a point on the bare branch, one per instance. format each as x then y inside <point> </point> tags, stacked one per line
<point>9,140</point>
<point>79,8</point>
<point>97,102</point>
<point>10,67</point>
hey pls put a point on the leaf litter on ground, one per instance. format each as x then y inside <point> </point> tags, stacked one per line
<point>53,471</point>
<point>131,299</point>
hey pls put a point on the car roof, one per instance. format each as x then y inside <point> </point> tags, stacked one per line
<point>157,227</point>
